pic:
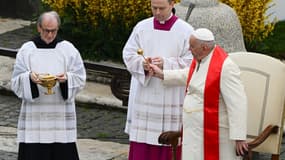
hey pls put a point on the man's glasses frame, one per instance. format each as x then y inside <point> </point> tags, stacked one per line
<point>47,31</point>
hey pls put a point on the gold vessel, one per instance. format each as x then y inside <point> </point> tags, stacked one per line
<point>48,81</point>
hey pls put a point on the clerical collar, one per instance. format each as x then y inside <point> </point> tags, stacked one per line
<point>42,44</point>
<point>166,26</point>
<point>163,22</point>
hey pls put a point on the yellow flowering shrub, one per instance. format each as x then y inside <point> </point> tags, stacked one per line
<point>90,19</point>
<point>91,11</point>
<point>99,28</point>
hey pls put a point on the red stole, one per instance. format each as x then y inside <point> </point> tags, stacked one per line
<point>211,102</point>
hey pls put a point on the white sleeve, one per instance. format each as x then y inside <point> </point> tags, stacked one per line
<point>234,96</point>
<point>76,73</point>
<point>20,82</point>
<point>176,77</point>
<point>132,60</point>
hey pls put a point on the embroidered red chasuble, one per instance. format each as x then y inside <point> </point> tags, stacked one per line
<point>211,102</point>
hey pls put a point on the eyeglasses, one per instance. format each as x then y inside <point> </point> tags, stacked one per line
<point>47,31</point>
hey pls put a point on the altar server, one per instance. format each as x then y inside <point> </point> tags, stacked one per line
<point>47,121</point>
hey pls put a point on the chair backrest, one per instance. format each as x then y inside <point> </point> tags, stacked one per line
<point>264,80</point>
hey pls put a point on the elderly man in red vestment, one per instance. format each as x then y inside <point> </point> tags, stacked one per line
<point>215,104</point>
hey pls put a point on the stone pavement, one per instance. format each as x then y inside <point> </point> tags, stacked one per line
<point>7,24</point>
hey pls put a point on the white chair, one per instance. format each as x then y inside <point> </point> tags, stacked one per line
<point>264,81</point>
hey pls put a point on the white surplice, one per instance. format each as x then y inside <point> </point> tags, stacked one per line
<point>154,108</point>
<point>232,109</point>
<point>47,118</point>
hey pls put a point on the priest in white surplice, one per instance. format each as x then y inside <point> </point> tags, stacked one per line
<point>215,105</point>
<point>153,108</point>
<point>47,123</point>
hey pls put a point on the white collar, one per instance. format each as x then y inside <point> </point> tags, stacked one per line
<point>163,22</point>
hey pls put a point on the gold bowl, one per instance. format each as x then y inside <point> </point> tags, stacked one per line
<point>48,81</point>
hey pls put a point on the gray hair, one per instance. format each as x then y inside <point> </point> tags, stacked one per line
<point>50,13</point>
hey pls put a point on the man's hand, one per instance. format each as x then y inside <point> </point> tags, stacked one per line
<point>35,78</point>
<point>146,63</point>
<point>146,67</point>
<point>156,71</point>
<point>158,61</point>
<point>241,147</point>
<point>61,77</point>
